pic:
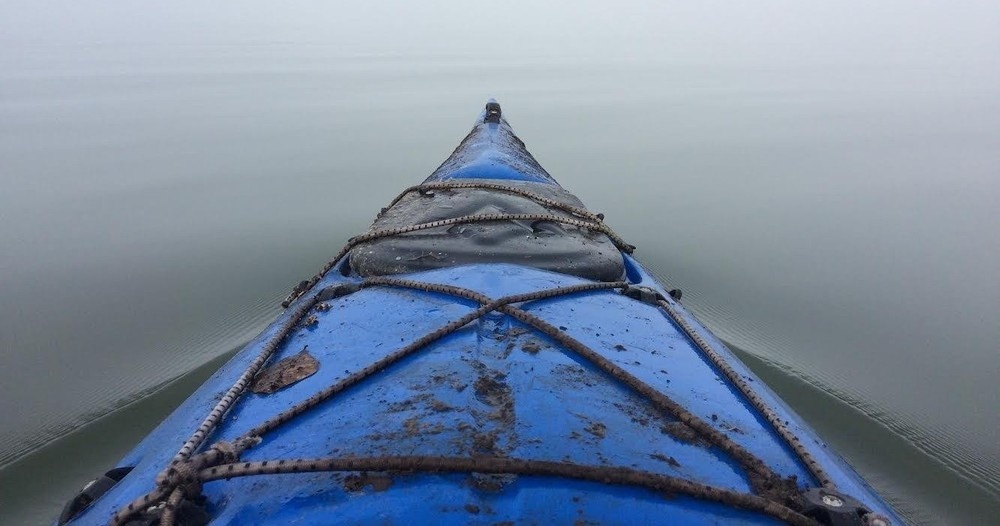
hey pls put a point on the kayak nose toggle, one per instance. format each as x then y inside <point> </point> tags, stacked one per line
<point>492,112</point>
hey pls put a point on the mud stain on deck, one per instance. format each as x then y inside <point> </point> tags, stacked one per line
<point>575,374</point>
<point>491,483</point>
<point>492,390</point>
<point>286,372</point>
<point>664,458</point>
<point>597,429</point>
<point>531,347</point>
<point>357,482</point>
<point>684,433</point>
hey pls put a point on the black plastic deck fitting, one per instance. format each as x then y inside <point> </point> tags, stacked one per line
<point>831,508</point>
<point>492,112</point>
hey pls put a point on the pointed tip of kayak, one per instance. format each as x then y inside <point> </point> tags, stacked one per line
<point>491,151</point>
<point>492,112</point>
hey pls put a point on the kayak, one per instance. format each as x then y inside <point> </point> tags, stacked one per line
<point>488,352</point>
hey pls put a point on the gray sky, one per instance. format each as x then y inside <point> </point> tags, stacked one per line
<point>904,32</point>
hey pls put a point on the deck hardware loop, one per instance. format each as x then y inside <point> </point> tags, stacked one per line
<point>337,291</point>
<point>644,294</point>
<point>830,508</point>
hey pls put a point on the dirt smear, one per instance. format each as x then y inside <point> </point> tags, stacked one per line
<point>684,433</point>
<point>664,458</point>
<point>358,481</point>
<point>597,429</point>
<point>286,372</point>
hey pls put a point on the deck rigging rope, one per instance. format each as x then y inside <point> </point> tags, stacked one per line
<point>477,185</point>
<point>486,305</point>
<point>661,401</point>
<point>513,466</point>
<point>187,470</point>
<point>790,438</point>
<point>589,221</point>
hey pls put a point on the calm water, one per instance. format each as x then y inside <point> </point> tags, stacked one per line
<point>835,220</point>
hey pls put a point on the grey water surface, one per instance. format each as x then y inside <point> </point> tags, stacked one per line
<point>823,183</point>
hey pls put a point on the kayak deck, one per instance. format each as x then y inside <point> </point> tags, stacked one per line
<point>567,418</point>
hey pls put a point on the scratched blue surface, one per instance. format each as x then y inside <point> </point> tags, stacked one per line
<point>494,388</point>
<point>563,409</point>
<point>491,151</point>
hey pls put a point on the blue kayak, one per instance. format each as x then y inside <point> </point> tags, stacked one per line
<point>489,352</point>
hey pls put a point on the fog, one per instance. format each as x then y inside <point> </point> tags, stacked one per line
<point>769,32</point>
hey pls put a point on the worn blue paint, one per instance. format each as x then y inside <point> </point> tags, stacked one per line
<point>491,151</point>
<point>561,407</point>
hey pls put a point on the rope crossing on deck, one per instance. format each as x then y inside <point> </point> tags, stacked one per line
<point>183,477</point>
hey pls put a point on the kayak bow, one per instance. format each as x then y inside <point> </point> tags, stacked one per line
<point>488,352</point>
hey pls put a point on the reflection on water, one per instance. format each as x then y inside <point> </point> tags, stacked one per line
<point>839,226</point>
<point>41,483</point>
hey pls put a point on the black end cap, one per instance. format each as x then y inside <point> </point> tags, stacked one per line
<point>492,112</point>
<point>643,294</point>
<point>93,491</point>
<point>337,291</point>
<point>835,509</point>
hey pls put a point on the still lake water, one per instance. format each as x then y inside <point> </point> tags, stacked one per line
<point>838,226</point>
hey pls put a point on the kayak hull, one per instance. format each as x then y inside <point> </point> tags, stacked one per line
<point>494,389</point>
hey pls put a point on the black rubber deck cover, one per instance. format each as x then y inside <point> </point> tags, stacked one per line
<point>541,244</point>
